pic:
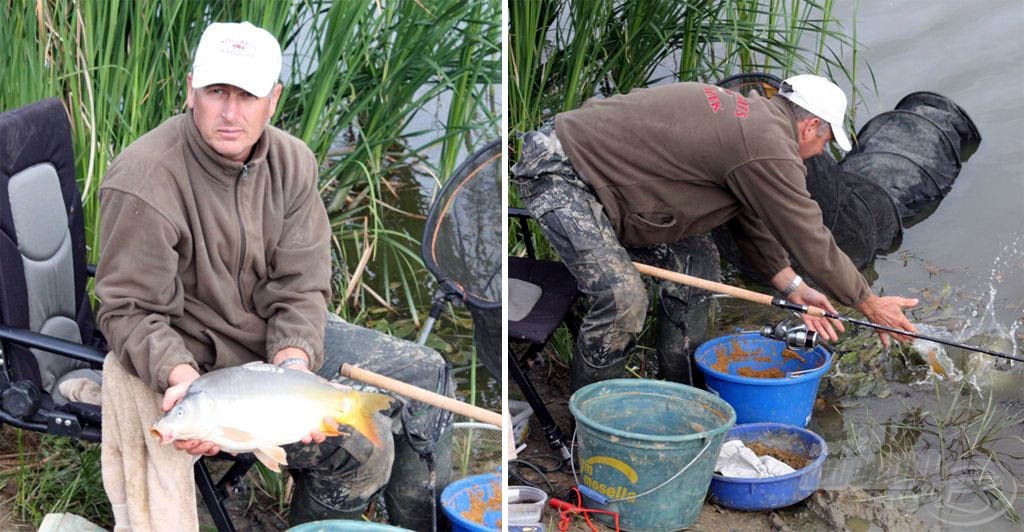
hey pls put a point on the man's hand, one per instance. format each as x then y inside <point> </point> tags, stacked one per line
<point>179,380</point>
<point>805,295</point>
<point>888,311</point>
<point>318,437</point>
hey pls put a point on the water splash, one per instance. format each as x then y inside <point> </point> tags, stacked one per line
<point>981,328</point>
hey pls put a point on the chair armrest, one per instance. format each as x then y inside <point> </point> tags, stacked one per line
<point>517,212</point>
<point>52,344</point>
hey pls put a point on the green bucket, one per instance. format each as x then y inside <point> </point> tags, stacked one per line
<point>647,450</point>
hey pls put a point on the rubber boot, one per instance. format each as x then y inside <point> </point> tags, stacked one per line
<point>408,494</point>
<point>680,330</point>
<point>408,497</point>
<point>583,373</point>
<point>675,360</point>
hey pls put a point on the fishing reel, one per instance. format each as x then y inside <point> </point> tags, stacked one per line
<point>796,337</point>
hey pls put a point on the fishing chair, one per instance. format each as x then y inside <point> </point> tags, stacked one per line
<point>47,331</point>
<point>541,296</point>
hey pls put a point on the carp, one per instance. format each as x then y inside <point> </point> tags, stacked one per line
<point>259,407</point>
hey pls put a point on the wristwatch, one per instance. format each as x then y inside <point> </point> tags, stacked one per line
<point>292,361</point>
<point>793,285</point>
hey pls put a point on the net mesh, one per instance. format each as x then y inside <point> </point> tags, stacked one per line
<point>476,448</point>
<point>462,246</point>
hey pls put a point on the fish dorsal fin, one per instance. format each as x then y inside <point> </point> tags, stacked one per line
<point>368,404</point>
<point>273,457</point>
<point>236,435</point>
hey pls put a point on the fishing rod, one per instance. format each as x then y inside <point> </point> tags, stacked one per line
<point>766,299</point>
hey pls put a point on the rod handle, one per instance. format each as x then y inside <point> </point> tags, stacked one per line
<point>419,394</point>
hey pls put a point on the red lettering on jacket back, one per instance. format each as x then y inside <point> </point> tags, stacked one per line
<point>742,107</point>
<point>713,100</point>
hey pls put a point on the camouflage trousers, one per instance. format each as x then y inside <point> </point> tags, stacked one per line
<point>337,478</point>
<point>573,220</point>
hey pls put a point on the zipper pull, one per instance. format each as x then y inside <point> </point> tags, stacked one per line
<point>245,171</point>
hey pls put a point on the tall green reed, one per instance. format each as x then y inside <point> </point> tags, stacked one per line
<point>564,52</point>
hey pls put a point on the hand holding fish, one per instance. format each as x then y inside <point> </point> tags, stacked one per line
<point>180,378</point>
<point>295,354</point>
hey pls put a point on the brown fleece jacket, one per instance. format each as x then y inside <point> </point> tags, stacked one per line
<point>678,160</point>
<point>208,262</point>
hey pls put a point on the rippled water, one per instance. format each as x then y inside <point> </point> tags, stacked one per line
<point>973,53</point>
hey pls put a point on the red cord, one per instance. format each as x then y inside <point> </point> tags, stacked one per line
<point>567,510</point>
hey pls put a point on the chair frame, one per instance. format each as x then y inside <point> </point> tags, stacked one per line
<point>553,434</point>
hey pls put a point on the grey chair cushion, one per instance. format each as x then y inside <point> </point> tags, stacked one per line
<point>44,240</point>
<point>522,297</point>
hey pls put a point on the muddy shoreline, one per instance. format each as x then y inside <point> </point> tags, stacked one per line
<point>880,411</point>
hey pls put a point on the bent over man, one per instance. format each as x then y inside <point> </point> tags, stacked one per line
<point>644,176</point>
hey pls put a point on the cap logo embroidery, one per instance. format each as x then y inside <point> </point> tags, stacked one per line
<point>237,47</point>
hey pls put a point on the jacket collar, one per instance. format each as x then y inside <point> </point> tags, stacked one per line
<point>215,165</point>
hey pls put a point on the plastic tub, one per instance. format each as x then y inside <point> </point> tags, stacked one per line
<point>525,505</point>
<point>758,494</point>
<point>788,399</point>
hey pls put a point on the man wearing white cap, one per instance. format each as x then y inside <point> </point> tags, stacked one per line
<point>216,253</point>
<point>644,176</point>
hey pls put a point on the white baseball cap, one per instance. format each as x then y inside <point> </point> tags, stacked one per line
<point>821,97</point>
<point>238,54</point>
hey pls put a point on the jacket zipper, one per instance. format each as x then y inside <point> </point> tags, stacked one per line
<point>241,231</point>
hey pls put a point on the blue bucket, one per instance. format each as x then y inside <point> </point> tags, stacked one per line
<point>788,399</point>
<point>647,450</point>
<point>343,525</point>
<point>757,494</point>
<point>473,504</point>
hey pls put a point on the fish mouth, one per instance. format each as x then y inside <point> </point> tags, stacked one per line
<point>164,438</point>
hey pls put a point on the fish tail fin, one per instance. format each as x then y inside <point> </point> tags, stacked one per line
<point>362,419</point>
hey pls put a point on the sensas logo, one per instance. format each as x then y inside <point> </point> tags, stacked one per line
<point>616,488</point>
